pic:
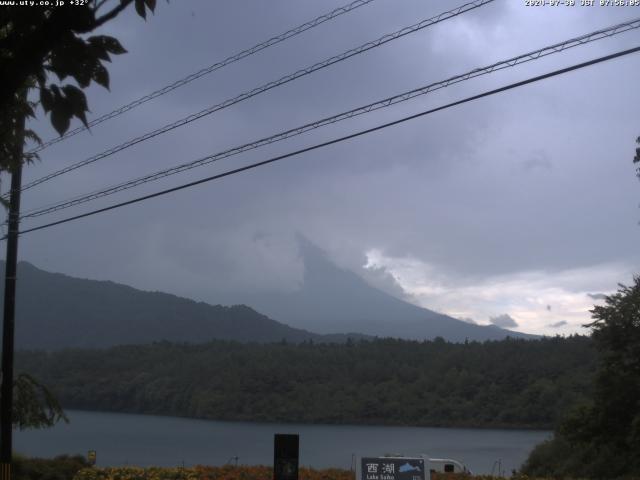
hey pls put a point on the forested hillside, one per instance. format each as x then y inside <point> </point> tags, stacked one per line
<point>509,383</point>
<point>56,311</point>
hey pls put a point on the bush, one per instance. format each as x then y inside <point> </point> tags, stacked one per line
<point>63,467</point>
<point>548,459</point>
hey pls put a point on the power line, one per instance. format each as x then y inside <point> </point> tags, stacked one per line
<point>511,62</point>
<point>207,70</point>
<point>268,86</point>
<point>340,139</point>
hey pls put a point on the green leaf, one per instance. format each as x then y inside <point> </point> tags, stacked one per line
<point>98,49</point>
<point>46,99</point>
<point>60,120</point>
<point>28,111</point>
<point>77,101</point>
<point>83,72</point>
<point>83,78</point>
<point>151,4</point>
<point>33,136</point>
<point>68,56</point>
<point>57,70</point>
<point>83,118</point>
<point>140,8</point>
<point>110,44</point>
<point>101,76</point>
<point>34,404</point>
<point>41,77</point>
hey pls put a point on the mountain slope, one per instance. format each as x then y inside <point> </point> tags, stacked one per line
<point>55,311</point>
<point>335,300</point>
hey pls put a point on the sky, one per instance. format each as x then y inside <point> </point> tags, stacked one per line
<point>520,209</point>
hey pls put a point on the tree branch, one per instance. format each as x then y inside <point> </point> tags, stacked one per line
<point>99,4</point>
<point>112,14</point>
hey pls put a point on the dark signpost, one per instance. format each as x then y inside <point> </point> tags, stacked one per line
<point>391,468</point>
<point>285,456</point>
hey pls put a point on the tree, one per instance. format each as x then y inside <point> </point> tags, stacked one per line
<point>616,331</point>
<point>602,438</point>
<point>34,405</point>
<point>38,41</point>
<point>35,42</point>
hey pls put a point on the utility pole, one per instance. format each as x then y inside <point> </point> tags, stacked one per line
<point>6,389</point>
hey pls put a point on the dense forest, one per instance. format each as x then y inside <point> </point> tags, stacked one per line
<point>508,383</point>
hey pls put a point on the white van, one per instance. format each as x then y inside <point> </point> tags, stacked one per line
<point>447,465</point>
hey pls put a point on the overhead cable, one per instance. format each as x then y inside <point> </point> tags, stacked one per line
<point>511,62</point>
<point>207,70</point>
<point>266,87</point>
<point>337,140</point>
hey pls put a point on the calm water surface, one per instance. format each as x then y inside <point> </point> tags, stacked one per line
<point>123,439</point>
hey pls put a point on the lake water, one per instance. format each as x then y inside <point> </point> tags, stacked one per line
<point>123,439</point>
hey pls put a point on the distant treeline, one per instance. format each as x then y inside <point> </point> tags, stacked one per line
<point>509,383</point>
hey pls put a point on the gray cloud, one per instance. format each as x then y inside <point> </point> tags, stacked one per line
<point>559,324</point>
<point>597,296</point>
<point>381,278</point>
<point>505,321</point>
<point>538,160</point>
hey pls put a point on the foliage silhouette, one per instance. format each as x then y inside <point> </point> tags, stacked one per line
<point>600,438</point>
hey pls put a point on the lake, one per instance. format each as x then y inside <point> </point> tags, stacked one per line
<point>123,439</point>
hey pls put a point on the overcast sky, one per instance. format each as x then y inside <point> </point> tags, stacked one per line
<point>516,209</point>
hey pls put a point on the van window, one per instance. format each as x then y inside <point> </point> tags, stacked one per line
<point>448,468</point>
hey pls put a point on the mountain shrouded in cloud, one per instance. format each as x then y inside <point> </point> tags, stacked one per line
<point>332,299</point>
<point>57,311</point>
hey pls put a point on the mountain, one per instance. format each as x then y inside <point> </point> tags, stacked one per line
<point>332,299</point>
<point>55,311</point>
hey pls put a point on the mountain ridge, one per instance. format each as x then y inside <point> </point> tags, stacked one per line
<point>54,310</point>
<point>334,299</point>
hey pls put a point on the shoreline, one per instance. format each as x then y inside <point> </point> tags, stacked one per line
<point>310,424</point>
